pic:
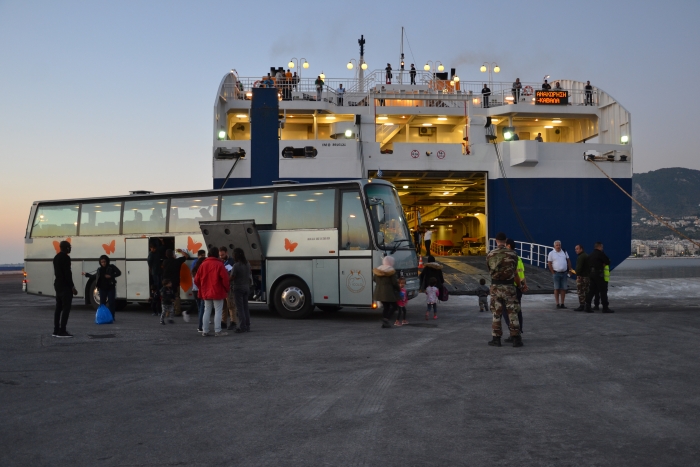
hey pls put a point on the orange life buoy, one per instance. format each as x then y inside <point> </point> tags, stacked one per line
<point>527,90</point>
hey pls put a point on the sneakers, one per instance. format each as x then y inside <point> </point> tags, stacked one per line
<point>205,334</point>
<point>495,342</point>
<point>434,316</point>
<point>404,322</point>
<point>221,333</point>
<point>55,333</point>
<point>397,323</point>
<point>200,330</point>
<point>385,323</point>
<point>185,317</point>
<point>62,333</point>
<point>427,316</point>
<point>162,322</point>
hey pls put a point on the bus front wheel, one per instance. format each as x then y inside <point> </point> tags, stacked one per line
<point>292,299</point>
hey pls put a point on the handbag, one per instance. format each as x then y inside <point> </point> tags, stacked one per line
<point>444,294</point>
<point>103,315</point>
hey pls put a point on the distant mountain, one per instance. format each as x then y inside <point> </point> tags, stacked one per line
<point>672,193</point>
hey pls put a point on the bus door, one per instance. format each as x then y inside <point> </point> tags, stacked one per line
<point>137,276</point>
<point>236,234</point>
<point>355,262</point>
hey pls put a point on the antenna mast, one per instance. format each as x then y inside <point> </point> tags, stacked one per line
<point>361,41</point>
<point>402,61</point>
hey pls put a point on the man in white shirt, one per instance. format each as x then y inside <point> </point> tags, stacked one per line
<point>426,240</point>
<point>340,92</point>
<point>559,265</point>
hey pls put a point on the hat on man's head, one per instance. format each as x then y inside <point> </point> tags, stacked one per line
<point>500,236</point>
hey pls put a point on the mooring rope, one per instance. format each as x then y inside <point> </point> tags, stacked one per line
<point>644,207</point>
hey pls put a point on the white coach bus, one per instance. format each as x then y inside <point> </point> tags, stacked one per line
<point>310,244</point>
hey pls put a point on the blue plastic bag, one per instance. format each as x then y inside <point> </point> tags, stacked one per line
<point>103,315</point>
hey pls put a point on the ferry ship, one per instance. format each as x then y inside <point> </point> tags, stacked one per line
<point>464,166</point>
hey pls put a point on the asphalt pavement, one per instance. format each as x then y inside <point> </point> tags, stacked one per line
<point>586,389</point>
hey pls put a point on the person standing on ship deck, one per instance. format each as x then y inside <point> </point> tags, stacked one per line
<point>539,138</point>
<point>486,92</point>
<point>589,93</point>
<point>388,73</point>
<point>340,92</point>
<point>319,87</point>
<point>412,74</point>
<point>546,86</point>
<point>517,86</point>
<point>427,236</point>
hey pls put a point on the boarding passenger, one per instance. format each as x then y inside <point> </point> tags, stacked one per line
<point>583,280</point>
<point>387,288</point>
<point>483,292</point>
<point>412,74</point>
<point>213,285</point>
<point>64,288</point>
<point>340,92</point>
<point>401,303</point>
<point>156,255</point>
<point>485,92</point>
<point>241,277</point>
<point>502,264</point>
<point>517,86</point>
<point>539,137</point>
<point>167,300</point>
<point>106,283</point>
<point>319,87</point>
<point>431,269</point>
<point>201,256</point>
<point>229,306</point>
<point>546,86</point>
<point>388,73</point>
<point>171,271</point>
<point>431,297</point>
<point>427,236</point>
<point>559,265</point>
<point>589,93</point>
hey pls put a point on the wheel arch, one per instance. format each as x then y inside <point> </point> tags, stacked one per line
<point>283,277</point>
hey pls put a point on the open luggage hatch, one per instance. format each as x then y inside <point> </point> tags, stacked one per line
<point>235,234</point>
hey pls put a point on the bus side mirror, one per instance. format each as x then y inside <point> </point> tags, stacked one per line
<point>380,238</point>
<point>380,213</point>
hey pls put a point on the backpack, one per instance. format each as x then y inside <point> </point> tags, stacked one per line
<point>444,294</point>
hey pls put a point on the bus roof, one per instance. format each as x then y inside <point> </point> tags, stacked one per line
<point>361,182</point>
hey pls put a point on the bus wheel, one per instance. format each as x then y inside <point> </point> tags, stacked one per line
<point>94,295</point>
<point>292,299</point>
<point>329,308</point>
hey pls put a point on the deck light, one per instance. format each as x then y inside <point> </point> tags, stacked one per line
<point>363,66</point>
<point>322,76</point>
<point>348,133</point>
<point>426,67</point>
<point>624,139</point>
<point>497,69</point>
<point>548,126</point>
<point>507,135</point>
<point>290,64</point>
<point>222,134</point>
<point>405,187</point>
<point>456,78</point>
<point>350,66</point>
<point>306,64</point>
<point>441,67</point>
<point>483,68</point>
<point>556,121</point>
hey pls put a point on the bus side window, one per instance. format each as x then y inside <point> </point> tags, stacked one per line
<point>241,207</point>
<point>101,218</point>
<point>144,216</point>
<point>186,213</point>
<point>353,223</point>
<point>55,221</point>
<point>306,209</point>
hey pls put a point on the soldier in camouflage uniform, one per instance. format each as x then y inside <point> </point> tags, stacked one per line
<point>502,263</point>
<point>583,282</point>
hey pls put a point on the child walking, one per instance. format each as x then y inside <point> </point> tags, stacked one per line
<point>155,300</point>
<point>431,293</point>
<point>483,292</point>
<point>167,299</point>
<point>401,303</point>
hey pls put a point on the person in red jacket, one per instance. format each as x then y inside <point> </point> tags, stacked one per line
<point>212,284</point>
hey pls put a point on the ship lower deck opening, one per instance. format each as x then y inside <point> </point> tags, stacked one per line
<point>452,204</point>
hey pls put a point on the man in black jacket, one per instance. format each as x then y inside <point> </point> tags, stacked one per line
<point>597,261</point>
<point>65,289</point>
<point>171,271</point>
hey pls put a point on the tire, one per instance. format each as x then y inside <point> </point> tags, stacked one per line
<point>329,308</point>
<point>93,295</point>
<point>292,299</point>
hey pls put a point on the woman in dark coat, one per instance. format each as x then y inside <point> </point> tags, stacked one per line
<point>387,290</point>
<point>431,269</point>
<point>105,281</point>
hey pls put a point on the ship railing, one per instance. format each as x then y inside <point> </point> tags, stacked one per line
<point>531,253</point>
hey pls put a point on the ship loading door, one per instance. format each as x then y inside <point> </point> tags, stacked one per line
<point>452,204</point>
<point>355,255</point>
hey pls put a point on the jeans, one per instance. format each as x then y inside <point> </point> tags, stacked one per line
<point>200,308</point>
<point>589,98</point>
<point>340,101</point>
<point>402,313</point>
<point>109,296</point>
<point>433,306</point>
<point>241,299</point>
<point>483,303</point>
<point>560,279</point>
<point>64,299</point>
<point>486,102</point>
<point>218,307</point>
<point>318,93</point>
<point>427,247</point>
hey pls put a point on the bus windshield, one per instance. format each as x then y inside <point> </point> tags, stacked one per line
<point>387,217</point>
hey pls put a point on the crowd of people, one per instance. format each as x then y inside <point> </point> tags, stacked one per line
<point>220,283</point>
<point>517,89</point>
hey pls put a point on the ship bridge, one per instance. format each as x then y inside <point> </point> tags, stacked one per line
<point>467,163</point>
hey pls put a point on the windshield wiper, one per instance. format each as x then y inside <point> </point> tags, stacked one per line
<point>397,243</point>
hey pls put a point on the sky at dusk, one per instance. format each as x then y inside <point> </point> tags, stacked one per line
<point>99,98</point>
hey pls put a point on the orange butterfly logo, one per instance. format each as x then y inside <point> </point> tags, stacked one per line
<point>57,245</point>
<point>193,246</point>
<point>185,278</point>
<point>290,246</point>
<point>109,249</point>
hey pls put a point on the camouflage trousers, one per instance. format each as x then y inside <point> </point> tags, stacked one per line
<point>504,296</point>
<point>582,286</point>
